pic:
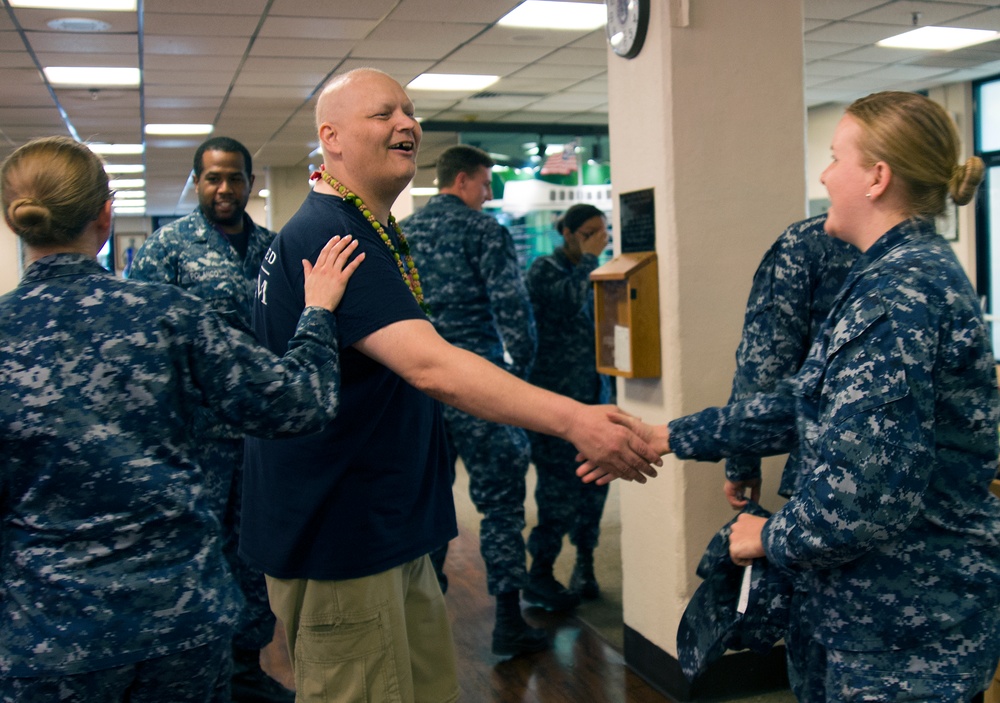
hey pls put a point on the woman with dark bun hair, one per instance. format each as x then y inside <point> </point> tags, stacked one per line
<point>891,538</point>
<point>563,300</point>
<point>113,585</point>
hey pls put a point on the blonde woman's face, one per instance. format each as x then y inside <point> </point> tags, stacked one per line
<point>847,180</point>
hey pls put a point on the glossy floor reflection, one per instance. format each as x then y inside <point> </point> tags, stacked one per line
<point>581,667</point>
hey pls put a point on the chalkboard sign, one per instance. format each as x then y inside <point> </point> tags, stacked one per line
<point>638,228</point>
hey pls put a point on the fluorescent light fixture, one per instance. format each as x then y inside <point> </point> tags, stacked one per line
<point>451,81</point>
<point>124,168</point>
<point>129,210</point>
<point>423,192</point>
<point>121,183</point>
<point>178,129</point>
<point>130,195</point>
<point>938,38</point>
<point>547,14</point>
<point>116,149</point>
<point>92,76</point>
<point>138,203</point>
<point>264,193</point>
<point>79,5</point>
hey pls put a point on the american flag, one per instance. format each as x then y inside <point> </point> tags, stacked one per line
<point>563,163</point>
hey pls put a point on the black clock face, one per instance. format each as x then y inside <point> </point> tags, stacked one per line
<point>627,23</point>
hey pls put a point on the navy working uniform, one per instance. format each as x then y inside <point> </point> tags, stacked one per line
<point>563,301</point>
<point>892,534</point>
<point>792,292</point>
<point>110,534</point>
<point>473,284</point>
<point>221,269</point>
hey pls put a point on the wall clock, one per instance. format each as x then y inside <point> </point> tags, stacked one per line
<point>627,24</point>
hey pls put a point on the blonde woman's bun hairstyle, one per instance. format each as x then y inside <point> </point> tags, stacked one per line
<point>966,179</point>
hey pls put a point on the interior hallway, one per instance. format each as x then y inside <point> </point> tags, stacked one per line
<point>585,664</point>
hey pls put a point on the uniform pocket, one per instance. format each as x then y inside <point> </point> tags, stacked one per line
<point>346,657</point>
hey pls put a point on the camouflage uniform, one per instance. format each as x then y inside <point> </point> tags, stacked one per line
<point>892,534</point>
<point>473,284</point>
<point>192,254</point>
<point>793,290</point>
<point>111,546</point>
<point>563,301</point>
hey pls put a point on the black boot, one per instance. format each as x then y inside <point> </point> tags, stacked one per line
<point>511,634</point>
<point>583,582</point>
<point>544,591</point>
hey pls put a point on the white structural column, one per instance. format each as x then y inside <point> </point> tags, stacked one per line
<point>288,187</point>
<point>709,115</point>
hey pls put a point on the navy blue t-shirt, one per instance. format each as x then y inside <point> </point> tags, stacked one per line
<point>373,490</point>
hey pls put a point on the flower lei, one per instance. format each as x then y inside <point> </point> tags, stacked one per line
<point>410,274</point>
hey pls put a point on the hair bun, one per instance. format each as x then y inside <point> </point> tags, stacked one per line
<point>965,179</point>
<point>29,214</point>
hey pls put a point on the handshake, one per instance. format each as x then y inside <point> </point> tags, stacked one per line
<point>613,444</point>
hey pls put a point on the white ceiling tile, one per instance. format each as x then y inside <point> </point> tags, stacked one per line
<point>987,19</point>
<point>61,43</point>
<point>299,47</point>
<point>336,9</point>
<point>37,20</point>
<point>220,7</point>
<point>195,46</point>
<point>814,50</point>
<point>194,67</point>
<point>208,25</point>
<point>310,28</point>
<point>290,92</point>
<point>900,13</point>
<point>578,57</point>
<point>478,50</point>
<point>855,33</point>
<point>568,72</point>
<point>477,11</point>
<point>836,9</point>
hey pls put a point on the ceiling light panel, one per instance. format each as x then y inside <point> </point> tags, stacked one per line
<point>548,14</point>
<point>93,76</point>
<point>79,5</point>
<point>939,38</point>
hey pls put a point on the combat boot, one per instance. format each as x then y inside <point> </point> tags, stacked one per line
<point>544,591</point>
<point>583,582</point>
<point>511,634</point>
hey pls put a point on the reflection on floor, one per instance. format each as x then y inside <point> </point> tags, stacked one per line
<point>585,664</point>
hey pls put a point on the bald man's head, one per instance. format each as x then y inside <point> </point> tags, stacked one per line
<point>367,131</point>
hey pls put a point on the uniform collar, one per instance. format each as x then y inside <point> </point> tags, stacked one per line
<point>58,265</point>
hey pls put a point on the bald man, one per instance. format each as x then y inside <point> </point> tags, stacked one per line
<point>341,522</point>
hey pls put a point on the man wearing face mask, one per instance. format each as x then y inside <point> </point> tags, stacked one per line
<point>215,253</point>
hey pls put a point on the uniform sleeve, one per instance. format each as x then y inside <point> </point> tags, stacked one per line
<point>263,394</point>
<point>559,296</point>
<point>776,333</point>
<point>509,300</point>
<point>873,437</point>
<point>155,262</point>
<point>762,425</point>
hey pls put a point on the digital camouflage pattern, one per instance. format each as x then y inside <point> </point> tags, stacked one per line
<point>892,532</point>
<point>792,292</point>
<point>110,539</point>
<point>194,255</point>
<point>473,284</point>
<point>562,297</point>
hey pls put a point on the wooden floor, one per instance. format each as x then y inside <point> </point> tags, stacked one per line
<point>579,668</point>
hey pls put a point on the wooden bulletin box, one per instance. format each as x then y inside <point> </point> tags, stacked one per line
<point>627,316</point>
